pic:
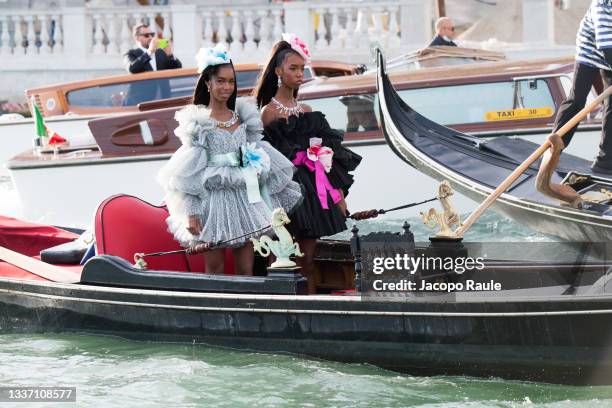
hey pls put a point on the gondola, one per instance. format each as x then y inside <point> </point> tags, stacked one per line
<point>475,167</point>
<point>550,321</point>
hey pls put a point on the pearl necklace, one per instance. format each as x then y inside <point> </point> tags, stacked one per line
<point>228,123</point>
<point>286,110</point>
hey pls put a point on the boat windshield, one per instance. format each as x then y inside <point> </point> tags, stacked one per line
<point>447,105</point>
<point>440,57</point>
<point>131,93</point>
<point>432,63</point>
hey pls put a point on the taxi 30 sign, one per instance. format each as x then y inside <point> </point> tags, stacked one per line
<point>516,114</point>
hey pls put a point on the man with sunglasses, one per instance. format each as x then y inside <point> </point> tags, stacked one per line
<point>148,56</point>
<point>445,32</point>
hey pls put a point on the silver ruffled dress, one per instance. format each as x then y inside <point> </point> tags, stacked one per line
<point>231,180</point>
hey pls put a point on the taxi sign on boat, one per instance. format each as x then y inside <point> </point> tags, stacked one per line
<point>515,114</point>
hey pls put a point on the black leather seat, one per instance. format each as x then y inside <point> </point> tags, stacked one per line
<point>69,253</point>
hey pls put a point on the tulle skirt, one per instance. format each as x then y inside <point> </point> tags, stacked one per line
<point>217,195</point>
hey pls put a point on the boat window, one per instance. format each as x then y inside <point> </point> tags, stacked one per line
<point>475,103</point>
<point>566,83</point>
<point>133,93</point>
<point>447,105</point>
<point>182,86</point>
<point>413,63</point>
<point>348,113</point>
<point>532,96</point>
<point>433,62</point>
<point>246,79</point>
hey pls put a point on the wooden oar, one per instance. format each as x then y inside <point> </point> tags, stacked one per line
<point>528,162</point>
<point>40,268</point>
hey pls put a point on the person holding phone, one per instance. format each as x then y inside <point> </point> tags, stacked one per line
<point>150,54</point>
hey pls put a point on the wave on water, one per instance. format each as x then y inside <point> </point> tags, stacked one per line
<point>491,227</point>
<point>113,372</point>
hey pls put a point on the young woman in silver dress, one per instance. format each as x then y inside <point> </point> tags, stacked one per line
<point>224,181</point>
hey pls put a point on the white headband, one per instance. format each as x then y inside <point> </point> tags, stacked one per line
<point>212,56</point>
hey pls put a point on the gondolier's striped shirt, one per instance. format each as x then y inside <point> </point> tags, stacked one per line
<point>595,34</point>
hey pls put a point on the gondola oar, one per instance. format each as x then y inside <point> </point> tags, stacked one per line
<point>140,263</point>
<point>364,215</point>
<point>528,162</point>
<point>53,273</point>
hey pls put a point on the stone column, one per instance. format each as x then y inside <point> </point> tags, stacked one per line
<point>538,21</point>
<point>77,33</point>
<point>415,24</point>
<point>186,32</point>
<point>299,21</point>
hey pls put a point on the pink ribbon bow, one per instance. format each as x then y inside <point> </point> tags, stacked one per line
<point>319,159</point>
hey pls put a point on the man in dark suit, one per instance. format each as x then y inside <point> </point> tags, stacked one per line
<point>148,56</point>
<point>445,32</point>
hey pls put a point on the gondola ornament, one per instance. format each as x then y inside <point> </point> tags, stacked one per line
<point>282,248</point>
<point>446,219</point>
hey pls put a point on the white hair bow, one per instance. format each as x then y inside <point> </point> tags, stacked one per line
<point>212,56</point>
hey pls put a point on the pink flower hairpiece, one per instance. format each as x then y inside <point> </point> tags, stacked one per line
<point>297,45</point>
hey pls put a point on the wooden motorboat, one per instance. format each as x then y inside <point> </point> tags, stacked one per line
<point>475,167</point>
<point>109,94</point>
<point>68,107</point>
<point>551,321</point>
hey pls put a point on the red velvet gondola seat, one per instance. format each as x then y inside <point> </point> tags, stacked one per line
<point>125,225</point>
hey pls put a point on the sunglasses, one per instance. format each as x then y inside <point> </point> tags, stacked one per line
<point>147,35</point>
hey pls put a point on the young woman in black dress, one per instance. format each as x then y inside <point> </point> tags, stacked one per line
<point>306,139</point>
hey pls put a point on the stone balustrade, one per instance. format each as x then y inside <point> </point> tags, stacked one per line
<point>97,37</point>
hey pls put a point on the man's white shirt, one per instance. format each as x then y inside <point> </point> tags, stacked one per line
<point>152,61</point>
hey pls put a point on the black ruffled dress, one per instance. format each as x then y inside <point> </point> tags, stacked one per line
<point>291,136</point>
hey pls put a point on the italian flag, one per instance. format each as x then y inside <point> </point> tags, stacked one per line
<point>42,131</point>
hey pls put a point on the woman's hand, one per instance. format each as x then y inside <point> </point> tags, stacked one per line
<point>195,226</point>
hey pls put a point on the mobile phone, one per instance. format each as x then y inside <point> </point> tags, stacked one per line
<point>162,43</point>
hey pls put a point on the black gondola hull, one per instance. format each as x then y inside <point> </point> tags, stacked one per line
<point>552,340</point>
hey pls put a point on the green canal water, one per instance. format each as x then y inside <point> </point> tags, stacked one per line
<point>112,372</point>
